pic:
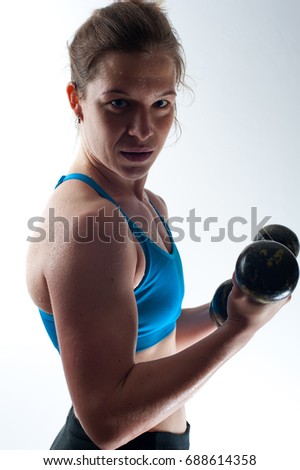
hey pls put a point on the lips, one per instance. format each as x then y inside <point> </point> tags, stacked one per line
<point>137,155</point>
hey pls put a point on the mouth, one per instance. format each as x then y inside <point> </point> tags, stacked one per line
<point>137,156</point>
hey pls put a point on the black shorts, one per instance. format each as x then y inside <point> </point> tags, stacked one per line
<point>73,437</point>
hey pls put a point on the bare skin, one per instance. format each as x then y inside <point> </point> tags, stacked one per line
<point>88,287</point>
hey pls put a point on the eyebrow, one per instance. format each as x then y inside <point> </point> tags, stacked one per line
<point>121,92</point>
<point>114,90</point>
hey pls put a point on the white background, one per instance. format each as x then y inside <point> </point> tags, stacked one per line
<point>239,149</point>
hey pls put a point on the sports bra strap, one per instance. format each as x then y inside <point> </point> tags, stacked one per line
<point>136,230</point>
<point>89,181</point>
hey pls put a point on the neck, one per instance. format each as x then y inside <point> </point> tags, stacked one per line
<point>111,182</point>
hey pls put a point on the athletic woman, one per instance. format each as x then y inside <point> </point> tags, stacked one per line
<point>108,279</point>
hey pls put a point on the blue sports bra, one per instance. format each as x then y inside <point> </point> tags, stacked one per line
<point>159,294</point>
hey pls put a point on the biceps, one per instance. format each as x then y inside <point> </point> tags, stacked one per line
<point>95,313</point>
<point>97,344</point>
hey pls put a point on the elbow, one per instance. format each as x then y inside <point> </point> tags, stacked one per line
<point>111,439</point>
<point>107,442</point>
<point>105,430</point>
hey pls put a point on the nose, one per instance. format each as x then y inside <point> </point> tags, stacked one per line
<point>140,124</point>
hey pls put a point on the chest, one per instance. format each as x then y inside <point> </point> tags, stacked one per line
<point>150,222</point>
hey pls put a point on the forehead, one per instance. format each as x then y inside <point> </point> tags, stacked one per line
<point>133,72</point>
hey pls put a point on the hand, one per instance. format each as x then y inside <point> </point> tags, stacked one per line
<point>248,314</point>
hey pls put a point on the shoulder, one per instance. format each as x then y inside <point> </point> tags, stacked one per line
<point>83,216</point>
<point>158,203</point>
<point>84,233</point>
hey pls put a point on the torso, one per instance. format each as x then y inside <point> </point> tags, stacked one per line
<point>155,230</point>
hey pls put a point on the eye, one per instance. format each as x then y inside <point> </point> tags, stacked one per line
<point>119,103</point>
<point>161,104</point>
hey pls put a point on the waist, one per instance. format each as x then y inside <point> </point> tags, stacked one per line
<point>175,423</point>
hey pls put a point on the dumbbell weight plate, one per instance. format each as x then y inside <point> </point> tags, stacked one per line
<point>267,271</point>
<point>280,234</point>
<point>218,305</point>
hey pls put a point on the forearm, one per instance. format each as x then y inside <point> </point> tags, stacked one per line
<point>193,325</point>
<point>154,390</point>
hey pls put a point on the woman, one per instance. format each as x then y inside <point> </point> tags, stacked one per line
<point>111,297</point>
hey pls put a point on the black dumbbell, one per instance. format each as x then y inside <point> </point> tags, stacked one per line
<point>266,270</point>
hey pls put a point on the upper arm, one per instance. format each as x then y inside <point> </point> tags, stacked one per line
<point>91,290</point>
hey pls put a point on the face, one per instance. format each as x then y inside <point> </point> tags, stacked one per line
<point>128,112</point>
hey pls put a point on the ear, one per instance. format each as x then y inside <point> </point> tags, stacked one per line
<point>74,99</point>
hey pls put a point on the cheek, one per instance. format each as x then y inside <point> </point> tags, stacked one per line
<point>112,126</point>
<point>165,124</point>
<point>103,128</point>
